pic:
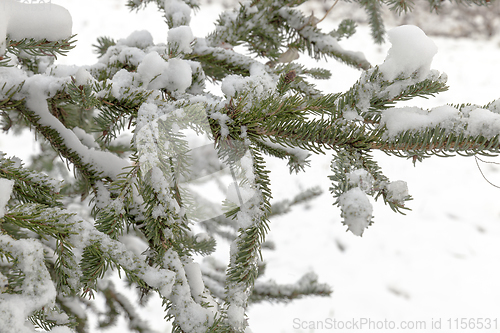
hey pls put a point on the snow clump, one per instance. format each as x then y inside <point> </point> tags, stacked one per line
<point>178,12</point>
<point>411,52</point>
<point>356,210</point>
<point>181,38</point>
<point>156,73</point>
<point>38,21</point>
<point>397,191</point>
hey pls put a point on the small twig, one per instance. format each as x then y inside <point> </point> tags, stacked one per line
<point>482,174</point>
<point>328,11</point>
<point>311,18</point>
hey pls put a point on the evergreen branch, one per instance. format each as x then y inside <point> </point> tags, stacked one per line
<point>114,112</point>
<point>307,285</point>
<point>356,169</point>
<point>115,301</point>
<point>372,94</point>
<point>139,4</point>
<point>424,89</point>
<point>7,100</point>
<point>400,6</point>
<point>103,44</point>
<point>30,186</point>
<point>189,295</point>
<point>297,159</point>
<point>260,30</point>
<point>314,135</point>
<point>436,5</point>
<point>374,11</point>
<point>102,253</point>
<point>81,95</point>
<point>111,218</point>
<point>34,47</point>
<point>346,29</point>
<point>193,244</point>
<point>57,142</point>
<point>47,319</point>
<point>36,291</point>
<point>92,164</point>
<point>285,206</point>
<point>243,269</point>
<point>317,43</point>
<point>41,220</point>
<point>51,222</point>
<point>218,62</point>
<point>440,142</point>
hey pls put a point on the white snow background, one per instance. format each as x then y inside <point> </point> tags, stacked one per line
<point>439,262</point>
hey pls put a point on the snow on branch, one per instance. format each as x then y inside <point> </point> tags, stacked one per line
<point>33,21</point>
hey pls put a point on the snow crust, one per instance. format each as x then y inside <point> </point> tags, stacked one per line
<point>38,21</point>
<point>411,52</point>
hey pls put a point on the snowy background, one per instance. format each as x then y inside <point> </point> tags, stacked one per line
<point>439,262</point>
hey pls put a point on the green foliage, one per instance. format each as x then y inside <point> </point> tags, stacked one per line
<point>37,48</point>
<point>126,137</point>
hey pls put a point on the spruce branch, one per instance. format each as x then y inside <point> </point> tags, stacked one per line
<point>285,206</point>
<point>317,43</point>
<point>34,47</point>
<point>307,285</point>
<point>219,62</point>
<point>346,29</point>
<point>103,44</point>
<point>439,142</point>
<point>57,142</point>
<point>400,6</point>
<point>139,195</point>
<point>30,186</point>
<point>374,11</point>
